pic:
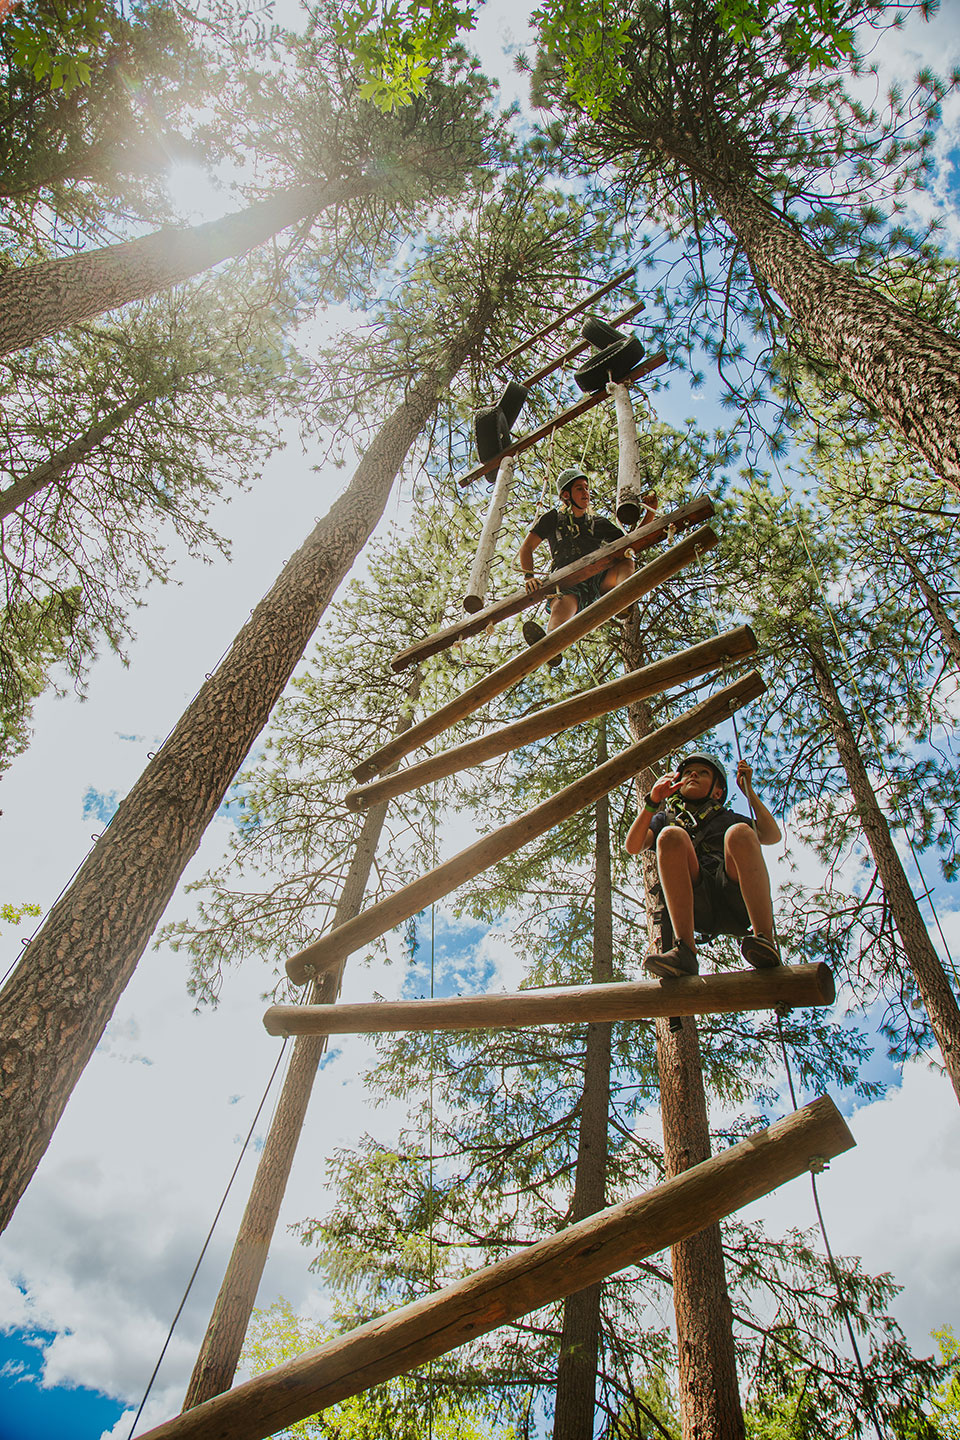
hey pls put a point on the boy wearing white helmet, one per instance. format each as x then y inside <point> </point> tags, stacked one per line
<point>572,531</point>
<point>712,872</point>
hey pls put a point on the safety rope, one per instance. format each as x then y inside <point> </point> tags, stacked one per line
<point>206,1243</point>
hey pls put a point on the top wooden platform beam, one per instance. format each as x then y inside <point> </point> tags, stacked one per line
<point>655,530</point>
<point>530,380</point>
<point>517,447</point>
<point>567,315</point>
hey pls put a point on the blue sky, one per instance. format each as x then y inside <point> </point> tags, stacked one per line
<point>29,1412</point>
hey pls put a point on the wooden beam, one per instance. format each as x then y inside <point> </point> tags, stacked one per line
<point>733,990</point>
<point>655,530</point>
<point>533,656</point>
<point>331,948</point>
<point>567,315</point>
<point>582,1254</point>
<point>651,680</point>
<point>576,350</point>
<point>517,447</point>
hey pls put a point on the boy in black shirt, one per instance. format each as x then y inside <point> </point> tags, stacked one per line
<point>572,531</point>
<point>711,869</point>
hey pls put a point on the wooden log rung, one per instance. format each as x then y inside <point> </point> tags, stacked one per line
<point>655,530</point>
<point>729,992</point>
<point>601,700</point>
<point>583,1254</point>
<point>331,948</point>
<point>531,658</point>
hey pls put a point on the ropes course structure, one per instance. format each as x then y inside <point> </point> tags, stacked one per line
<point>620,1235</point>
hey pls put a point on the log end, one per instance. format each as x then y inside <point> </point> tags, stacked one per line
<point>274,1021</point>
<point>308,965</point>
<point>826,985</point>
<point>472,603</point>
<point>354,799</point>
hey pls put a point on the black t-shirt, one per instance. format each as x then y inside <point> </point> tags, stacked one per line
<point>570,536</point>
<point>708,836</point>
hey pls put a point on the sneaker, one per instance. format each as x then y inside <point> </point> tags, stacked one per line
<point>681,960</point>
<point>532,632</point>
<point>760,952</point>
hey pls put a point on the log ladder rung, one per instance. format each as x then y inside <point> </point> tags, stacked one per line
<point>731,991</point>
<point>659,528</point>
<point>583,1254</point>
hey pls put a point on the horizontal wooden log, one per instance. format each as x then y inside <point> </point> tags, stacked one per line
<point>524,442</point>
<point>331,948</point>
<point>582,1254</point>
<point>533,656</point>
<point>655,530</point>
<point>651,680</point>
<point>577,309</point>
<point>731,991</point>
<point>622,319</point>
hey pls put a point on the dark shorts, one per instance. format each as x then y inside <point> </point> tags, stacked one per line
<point>718,907</point>
<point>586,591</point>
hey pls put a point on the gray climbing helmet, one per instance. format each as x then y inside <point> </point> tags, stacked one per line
<point>701,757</point>
<point>566,478</point>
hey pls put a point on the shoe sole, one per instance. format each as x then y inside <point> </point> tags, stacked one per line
<point>763,959</point>
<point>666,972</point>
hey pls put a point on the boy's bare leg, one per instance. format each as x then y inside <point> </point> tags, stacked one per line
<point>744,863</point>
<point>562,609</point>
<point>679,871</point>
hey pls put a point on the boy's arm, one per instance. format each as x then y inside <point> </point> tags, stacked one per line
<point>768,831</point>
<point>525,559</point>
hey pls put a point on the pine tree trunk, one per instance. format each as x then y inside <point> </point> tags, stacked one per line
<point>60,997</point>
<point>575,1406</point>
<point>220,1352</point>
<point>57,466</point>
<point>921,956</point>
<point>906,367</point>
<point>39,300</point>
<point>709,1390</point>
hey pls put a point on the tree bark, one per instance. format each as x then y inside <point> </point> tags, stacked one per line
<point>709,1391</point>
<point>575,1406</point>
<point>63,992</point>
<point>906,367</point>
<point>39,300</point>
<point>220,1352</point>
<point>69,455</point>
<point>938,998</point>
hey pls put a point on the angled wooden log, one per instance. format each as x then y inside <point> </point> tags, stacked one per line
<point>533,656</point>
<point>524,442</point>
<point>651,680</point>
<point>651,533</point>
<point>567,315</point>
<point>486,548</point>
<point>733,990</point>
<point>331,948</point>
<point>622,319</point>
<point>581,1255</point>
